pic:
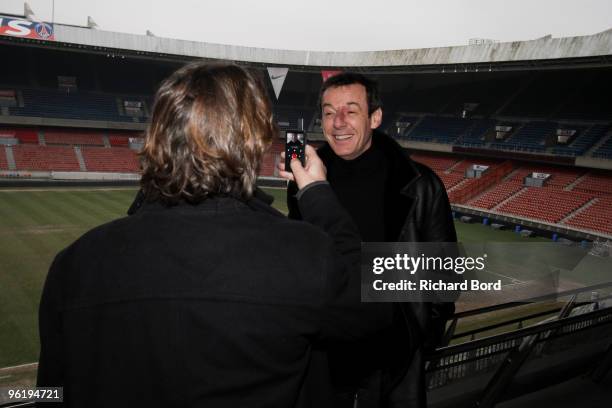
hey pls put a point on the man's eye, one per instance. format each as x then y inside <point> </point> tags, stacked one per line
<point>352,112</point>
<point>328,113</point>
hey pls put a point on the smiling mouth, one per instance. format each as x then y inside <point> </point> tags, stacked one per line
<point>342,137</point>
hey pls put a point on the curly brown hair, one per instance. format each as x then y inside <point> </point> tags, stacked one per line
<point>210,127</point>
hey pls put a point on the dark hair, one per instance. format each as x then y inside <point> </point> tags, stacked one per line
<point>350,78</point>
<point>210,127</point>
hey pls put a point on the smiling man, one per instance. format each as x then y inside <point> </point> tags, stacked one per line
<point>391,198</point>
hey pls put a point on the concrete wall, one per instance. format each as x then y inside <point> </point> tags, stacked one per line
<point>594,163</point>
<point>541,49</point>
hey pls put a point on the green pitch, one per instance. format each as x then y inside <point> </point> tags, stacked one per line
<point>36,224</point>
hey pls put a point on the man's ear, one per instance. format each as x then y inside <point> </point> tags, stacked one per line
<point>376,118</point>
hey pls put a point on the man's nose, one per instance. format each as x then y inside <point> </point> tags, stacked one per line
<point>340,118</point>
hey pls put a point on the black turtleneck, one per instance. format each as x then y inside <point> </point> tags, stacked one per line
<point>360,187</point>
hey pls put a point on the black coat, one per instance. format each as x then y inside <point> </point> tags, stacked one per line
<point>416,210</point>
<point>210,305</point>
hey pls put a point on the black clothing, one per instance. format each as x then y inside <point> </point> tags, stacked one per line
<point>350,178</point>
<point>211,305</point>
<point>416,209</point>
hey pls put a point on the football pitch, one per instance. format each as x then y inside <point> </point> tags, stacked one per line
<point>37,223</point>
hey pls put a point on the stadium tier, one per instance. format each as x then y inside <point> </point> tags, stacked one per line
<point>3,162</point>
<point>437,163</point>
<point>117,140</point>
<point>597,217</point>
<point>497,194</point>
<point>440,130</point>
<point>604,151</point>
<point>48,103</point>
<point>451,180</point>
<point>560,176</point>
<point>475,135</point>
<point>72,137</point>
<point>451,107</point>
<point>596,183</point>
<point>529,137</point>
<point>49,149</point>
<point>574,197</point>
<point>585,140</point>
<point>115,159</point>
<point>547,204</point>
<point>80,111</point>
<point>45,158</point>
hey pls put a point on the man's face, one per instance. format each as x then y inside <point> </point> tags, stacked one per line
<point>346,123</point>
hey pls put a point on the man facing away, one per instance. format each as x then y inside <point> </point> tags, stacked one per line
<point>390,198</point>
<point>191,301</point>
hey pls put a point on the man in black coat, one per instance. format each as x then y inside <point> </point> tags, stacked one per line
<point>206,296</point>
<point>390,198</point>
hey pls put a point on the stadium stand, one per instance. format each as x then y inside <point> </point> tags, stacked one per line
<point>466,163</point>
<point>496,195</point>
<point>439,163</point>
<point>451,180</point>
<point>114,159</point>
<point>583,141</point>
<point>49,103</point>
<point>458,111</point>
<point>72,137</point>
<point>530,137</point>
<point>545,203</point>
<point>440,130</point>
<point>595,183</point>
<point>597,217</point>
<point>475,135</point>
<point>560,176</point>
<point>45,158</point>
<point>605,150</point>
<point>120,141</point>
<point>26,135</point>
<point>471,187</point>
<point>3,162</point>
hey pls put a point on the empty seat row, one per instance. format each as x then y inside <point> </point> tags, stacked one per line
<point>74,137</point>
<point>547,204</point>
<point>497,194</point>
<point>597,217</point>
<point>45,158</point>
<point>116,159</point>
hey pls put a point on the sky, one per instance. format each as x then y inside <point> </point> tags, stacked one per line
<point>333,25</point>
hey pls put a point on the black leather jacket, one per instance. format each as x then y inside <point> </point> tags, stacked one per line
<point>417,209</point>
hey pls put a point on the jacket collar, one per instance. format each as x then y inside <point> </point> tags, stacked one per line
<point>260,201</point>
<point>403,169</point>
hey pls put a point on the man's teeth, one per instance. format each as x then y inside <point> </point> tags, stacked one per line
<point>342,137</point>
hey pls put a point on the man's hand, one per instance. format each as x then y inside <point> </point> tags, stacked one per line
<point>304,175</point>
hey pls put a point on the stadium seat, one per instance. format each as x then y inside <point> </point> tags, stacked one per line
<point>114,159</point>
<point>45,158</point>
<point>597,217</point>
<point>548,204</point>
<point>3,162</point>
<point>72,137</point>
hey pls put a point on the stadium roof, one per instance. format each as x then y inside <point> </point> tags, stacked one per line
<point>591,50</point>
